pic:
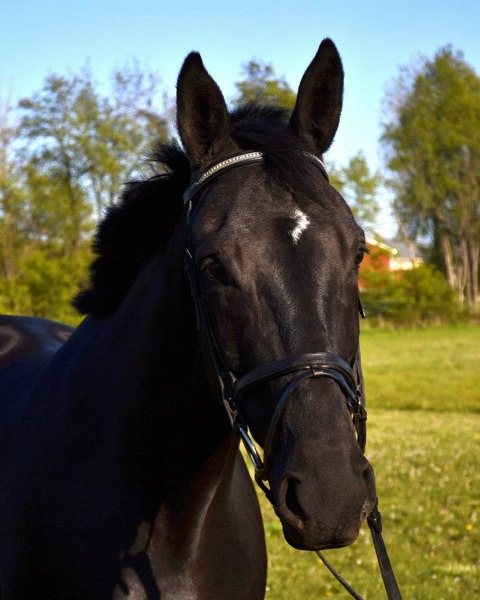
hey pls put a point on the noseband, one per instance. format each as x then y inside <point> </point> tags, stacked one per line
<point>301,367</point>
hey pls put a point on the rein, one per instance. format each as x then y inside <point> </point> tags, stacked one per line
<point>302,367</point>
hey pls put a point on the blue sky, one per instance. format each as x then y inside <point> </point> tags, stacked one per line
<point>39,37</point>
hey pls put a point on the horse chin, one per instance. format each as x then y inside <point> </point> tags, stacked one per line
<point>303,540</point>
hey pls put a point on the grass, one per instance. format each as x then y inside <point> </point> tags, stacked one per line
<point>423,369</point>
<point>423,393</point>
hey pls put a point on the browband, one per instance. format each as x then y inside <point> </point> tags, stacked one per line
<point>236,160</point>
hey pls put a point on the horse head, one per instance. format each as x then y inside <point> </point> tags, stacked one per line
<point>275,252</point>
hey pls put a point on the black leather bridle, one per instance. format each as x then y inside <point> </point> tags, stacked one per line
<point>301,367</point>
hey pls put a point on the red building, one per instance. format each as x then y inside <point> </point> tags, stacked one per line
<point>383,259</point>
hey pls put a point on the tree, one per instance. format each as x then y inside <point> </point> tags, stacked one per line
<point>12,199</point>
<point>61,166</point>
<point>134,90</point>
<point>91,144</point>
<point>359,187</point>
<point>432,139</point>
<point>262,85</point>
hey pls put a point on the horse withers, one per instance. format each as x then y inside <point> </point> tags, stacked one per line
<point>120,475</point>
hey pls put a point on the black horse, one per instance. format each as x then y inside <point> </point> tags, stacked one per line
<point>120,475</point>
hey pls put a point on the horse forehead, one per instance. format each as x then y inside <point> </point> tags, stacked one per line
<point>234,205</point>
<point>245,205</point>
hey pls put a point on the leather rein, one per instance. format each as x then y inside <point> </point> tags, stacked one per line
<point>301,367</point>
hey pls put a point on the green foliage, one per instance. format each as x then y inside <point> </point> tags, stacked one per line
<point>414,297</point>
<point>76,147</point>
<point>53,211</point>
<point>46,282</point>
<point>359,187</point>
<point>12,195</point>
<point>89,143</point>
<point>60,168</point>
<point>262,85</point>
<point>432,138</point>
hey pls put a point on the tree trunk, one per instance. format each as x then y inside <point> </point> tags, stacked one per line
<point>7,255</point>
<point>404,233</point>
<point>447,256</point>
<point>467,277</point>
<point>474,265</point>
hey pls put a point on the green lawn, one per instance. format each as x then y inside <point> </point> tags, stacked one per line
<point>426,369</point>
<point>423,390</point>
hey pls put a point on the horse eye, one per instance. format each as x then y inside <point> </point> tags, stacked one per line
<point>360,254</point>
<point>213,269</point>
<point>359,258</point>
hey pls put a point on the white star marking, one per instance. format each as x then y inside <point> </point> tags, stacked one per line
<point>302,222</point>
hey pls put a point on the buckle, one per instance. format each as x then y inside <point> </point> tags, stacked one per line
<point>240,427</point>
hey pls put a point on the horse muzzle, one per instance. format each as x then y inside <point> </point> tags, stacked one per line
<point>317,514</point>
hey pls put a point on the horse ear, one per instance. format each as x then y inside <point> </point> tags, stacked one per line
<point>319,100</point>
<point>202,116</point>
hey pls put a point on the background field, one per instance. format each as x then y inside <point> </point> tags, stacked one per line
<point>423,394</point>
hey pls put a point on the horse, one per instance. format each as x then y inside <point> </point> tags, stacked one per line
<point>222,305</point>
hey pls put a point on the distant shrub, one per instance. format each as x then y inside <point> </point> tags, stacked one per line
<point>414,297</point>
<point>46,284</point>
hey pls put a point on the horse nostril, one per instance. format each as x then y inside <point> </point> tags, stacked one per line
<point>291,500</point>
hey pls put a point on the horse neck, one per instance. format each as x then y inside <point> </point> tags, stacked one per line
<point>171,421</point>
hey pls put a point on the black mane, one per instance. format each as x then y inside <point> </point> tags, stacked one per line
<point>141,224</point>
<point>133,230</point>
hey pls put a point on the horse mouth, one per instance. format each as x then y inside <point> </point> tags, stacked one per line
<point>312,540</point>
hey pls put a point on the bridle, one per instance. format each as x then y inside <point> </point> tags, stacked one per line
<point>304,366</point>
<point>301,367</point>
